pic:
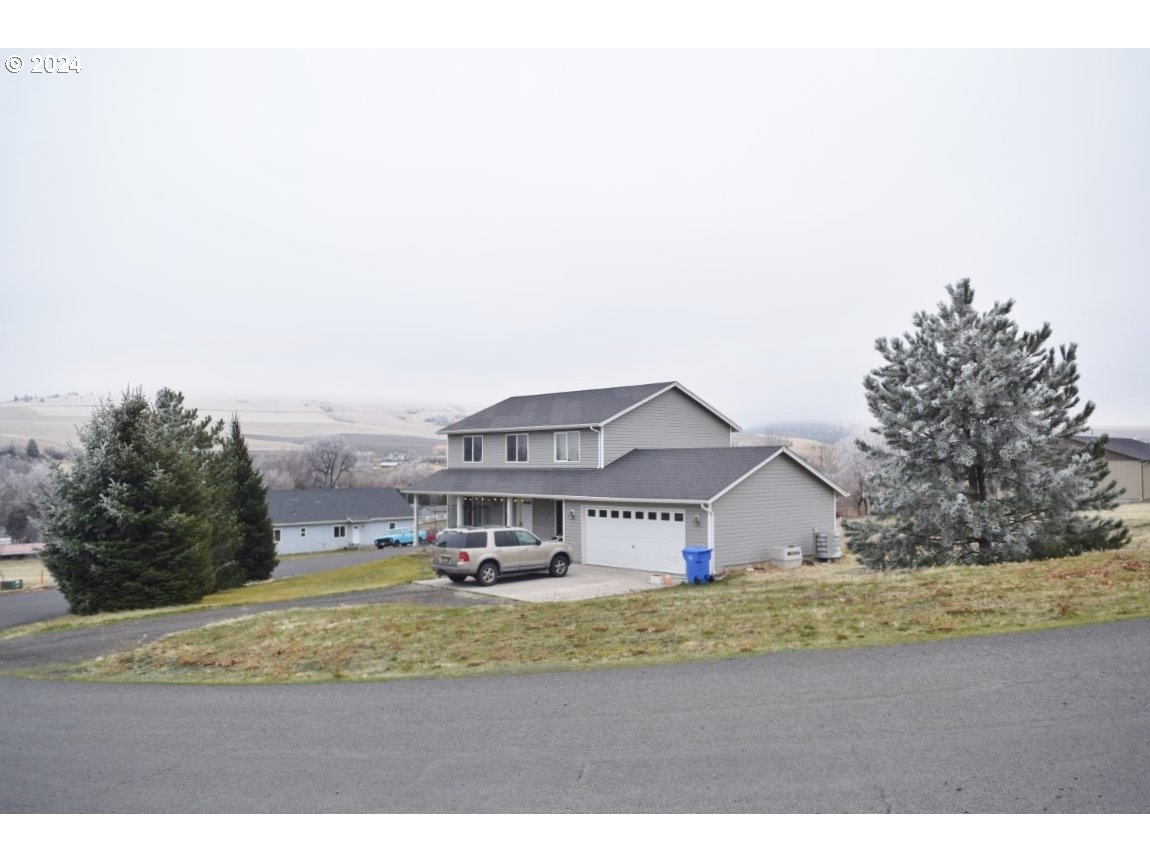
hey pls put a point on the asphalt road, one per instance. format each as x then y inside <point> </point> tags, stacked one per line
<point>17,609</point>
<point>1052,721</point>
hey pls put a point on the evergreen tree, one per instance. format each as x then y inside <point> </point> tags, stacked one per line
<point>201,440</point>
<point>128,526</point>
<point>32,450</point>
<point>978,464</point>
<point>256,550</point>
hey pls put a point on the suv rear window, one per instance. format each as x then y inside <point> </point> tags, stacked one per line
<point>462,540</point>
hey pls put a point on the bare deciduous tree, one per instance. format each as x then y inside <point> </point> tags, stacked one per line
<point>328,459</point>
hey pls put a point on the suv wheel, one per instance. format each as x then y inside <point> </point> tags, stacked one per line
<point>488,574</point>
<point>559,565</point>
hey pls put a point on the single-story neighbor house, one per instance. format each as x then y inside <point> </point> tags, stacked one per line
<point>331,519</point>
<point>629,476</point>
<point>18,551</point>
<point>1129,463</point>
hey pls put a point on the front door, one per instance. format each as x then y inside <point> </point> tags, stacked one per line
<point>518,513</point>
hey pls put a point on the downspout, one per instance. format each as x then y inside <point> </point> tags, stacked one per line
<point>706,507</point>
<point>599,430</point>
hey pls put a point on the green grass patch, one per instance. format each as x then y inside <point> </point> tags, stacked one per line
<point>389,572</point>
<point>746,614</point>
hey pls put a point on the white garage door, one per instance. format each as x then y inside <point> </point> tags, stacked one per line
<point>632,538</point>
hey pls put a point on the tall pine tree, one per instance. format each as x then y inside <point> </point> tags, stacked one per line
<point>978,463</point>
<point>256,551</point>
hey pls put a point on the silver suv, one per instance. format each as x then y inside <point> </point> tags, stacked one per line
<point>486,553</point>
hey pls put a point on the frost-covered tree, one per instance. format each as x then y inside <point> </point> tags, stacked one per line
<point>853,464</point>
<point>978,462</point>
<point>256,551</point>
<point>129,525</point>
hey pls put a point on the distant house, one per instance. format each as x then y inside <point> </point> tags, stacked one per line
<point>332,519</point>
<point>11,551</point>
<point>1129,463</point>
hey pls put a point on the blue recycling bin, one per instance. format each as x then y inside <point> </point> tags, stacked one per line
<point>698,564</point>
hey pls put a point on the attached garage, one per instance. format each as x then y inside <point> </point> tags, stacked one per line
<point>635,538</point>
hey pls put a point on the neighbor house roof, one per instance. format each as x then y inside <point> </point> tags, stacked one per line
<point>336,504</point>
<point>577,409</point>
<point>25,550</point>
<point>1127,446</point>
<point>688,475</point>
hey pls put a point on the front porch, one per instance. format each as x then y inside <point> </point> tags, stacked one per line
<point>543,516</point>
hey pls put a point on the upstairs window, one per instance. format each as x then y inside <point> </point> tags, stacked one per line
<point>516,448</point>
<point>473,449</point>
<point>567,446</point>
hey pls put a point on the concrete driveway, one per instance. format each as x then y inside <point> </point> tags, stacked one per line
<point>581,582</point>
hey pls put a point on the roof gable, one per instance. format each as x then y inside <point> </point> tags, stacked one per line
<point>578,409</point>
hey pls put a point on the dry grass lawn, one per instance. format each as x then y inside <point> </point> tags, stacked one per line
<point>743,615</point>
<point>747,613</point>
<point>32,572</point>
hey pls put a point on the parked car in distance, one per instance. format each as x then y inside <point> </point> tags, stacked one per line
<point>488,553</point>
<point>398,538</point>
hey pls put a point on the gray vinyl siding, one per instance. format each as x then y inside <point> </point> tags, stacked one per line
<point>543,518</point>
<point>573,532</point>
<point>781,504</point>
<point>697,533</point>
<point>540,450</point>
<point>670,421</point>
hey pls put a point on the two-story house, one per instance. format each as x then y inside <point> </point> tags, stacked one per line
<point>629,476</point>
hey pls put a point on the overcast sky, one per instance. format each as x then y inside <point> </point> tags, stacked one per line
<point>466,226</point>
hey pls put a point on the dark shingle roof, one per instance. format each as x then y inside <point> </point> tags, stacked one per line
<point>557,409</point>
<point>1127,446</point>
<point>336,504</point>
<point>641,474</point>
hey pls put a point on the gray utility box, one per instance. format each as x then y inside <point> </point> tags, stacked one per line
<point>828,546</point>
<point>785,557</point>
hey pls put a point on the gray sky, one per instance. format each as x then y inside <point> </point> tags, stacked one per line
<point>466,226</point>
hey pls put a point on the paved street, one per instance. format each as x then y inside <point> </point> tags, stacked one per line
<point>1051,721</point>
<point>17,609</point>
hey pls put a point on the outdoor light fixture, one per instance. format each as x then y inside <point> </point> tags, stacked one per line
<point>696,520</point>
<point>571,512</point>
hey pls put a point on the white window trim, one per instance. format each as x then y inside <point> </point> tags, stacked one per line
<point>463,448</point>
<point>578,445</point>
<point>526,448</point>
